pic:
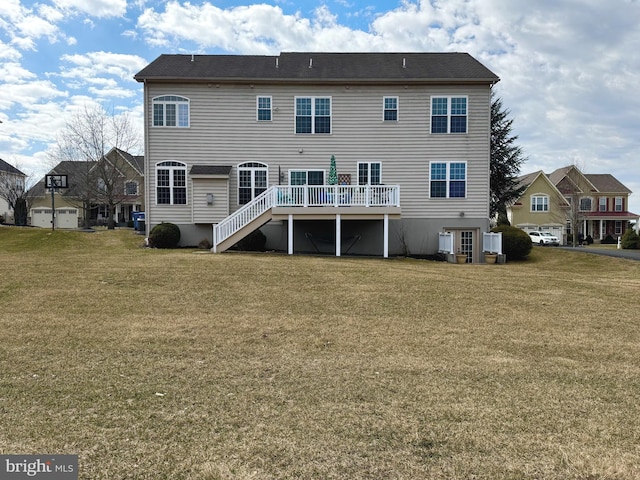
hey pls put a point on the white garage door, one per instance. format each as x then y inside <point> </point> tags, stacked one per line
<point>65,217</point>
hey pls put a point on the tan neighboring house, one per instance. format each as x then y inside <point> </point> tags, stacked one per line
<point>234,143</point>
<point>11,180</point>
<point>597,202</point>
<point>68,203</point>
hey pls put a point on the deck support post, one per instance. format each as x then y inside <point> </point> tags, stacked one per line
<point>338,235</point>
<point>385,223</point>
<point>290,234</point>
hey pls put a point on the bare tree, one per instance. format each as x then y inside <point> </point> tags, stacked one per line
<point>98,180</point>
<point>576,189</point>
<point>13,189</point>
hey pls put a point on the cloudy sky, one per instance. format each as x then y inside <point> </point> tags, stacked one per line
<point>569,69</point>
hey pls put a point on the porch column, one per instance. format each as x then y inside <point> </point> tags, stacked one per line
<point>290,234</point>
<point>602,222</point>
<point>338,235</point>
<point>215,240</point>
<point>385,228</point>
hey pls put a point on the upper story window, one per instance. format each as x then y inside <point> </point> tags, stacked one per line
<point>602,204</point>
<point>170,111</point>
<point>131,188</point>
<point>585,204</point>
<point>171,183</point>
<point>539,203</point>
<point>448,114</point>
<point>369,173</point>
<point>263,109</point>
<point>618,204</point>
<point>448,179</point>
<point>313,115</point>
<point>390,109</point>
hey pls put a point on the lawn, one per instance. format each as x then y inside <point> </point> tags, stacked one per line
<point>181,364</point>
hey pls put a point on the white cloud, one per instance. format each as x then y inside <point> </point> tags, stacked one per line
<point>95,8</point>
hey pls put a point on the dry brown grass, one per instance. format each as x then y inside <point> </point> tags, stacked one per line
<point>180,364</point>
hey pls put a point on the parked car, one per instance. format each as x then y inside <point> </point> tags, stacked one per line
<point>544,238</point>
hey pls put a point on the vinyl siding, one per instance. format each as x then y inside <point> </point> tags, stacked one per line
<point>203,213</point>
<point>224,131</point>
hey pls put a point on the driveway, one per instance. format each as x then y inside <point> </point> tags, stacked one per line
<point>628,254</point>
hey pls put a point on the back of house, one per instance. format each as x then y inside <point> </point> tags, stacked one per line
<point>236,142</point>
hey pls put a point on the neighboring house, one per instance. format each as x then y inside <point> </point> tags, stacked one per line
<point>68,202</point>
<point>235,143</point>
<point>597,203</point>
<point>12,181</point>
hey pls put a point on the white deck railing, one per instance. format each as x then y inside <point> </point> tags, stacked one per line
<point>337,196</point>
<point>306,196</point>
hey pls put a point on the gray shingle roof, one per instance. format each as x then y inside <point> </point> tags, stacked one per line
<point>6,167</point>
<point>210,170</point>
<point>320,67</point>
<point>606,183</point>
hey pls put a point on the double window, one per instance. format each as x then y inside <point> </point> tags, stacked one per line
<point>390,109</point>
<point>170,111</point>
<point>171,183</point>
<point>263,109</point>
<point>369,173</point>
<point>313,115</point>
<point>539,203</point>
<point>306,177</point>
<point>448,179</point>
<point>448,114</point>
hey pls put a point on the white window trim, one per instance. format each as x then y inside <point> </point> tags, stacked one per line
<point>545,204</point>
<point>184,101</point>
<point>258,97</point>
<point>306,171</point>
<point>431,115</point>
<point>171,186</point>
<point>397,109</point>
<point>313,113</point>
<point>602,202</point>
<point>618,204</point>
<point>258,167</point>
<point>368,172</point>
<point>448,180</point>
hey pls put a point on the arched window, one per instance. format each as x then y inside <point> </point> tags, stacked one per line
<point>170,111</point>
<point>252,181</point>
<point>171,183</point>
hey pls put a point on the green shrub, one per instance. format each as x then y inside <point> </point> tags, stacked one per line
<point>164,235</point>
<point>254,242</point>
<point>630,239</point>
<point>609,240</point>
<point>516,243</point>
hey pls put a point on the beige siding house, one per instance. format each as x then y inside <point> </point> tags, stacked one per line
<point>596,203</point>
<point>235,143</point>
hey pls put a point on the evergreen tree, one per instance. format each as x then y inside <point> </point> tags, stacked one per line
<point>505,160</point>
